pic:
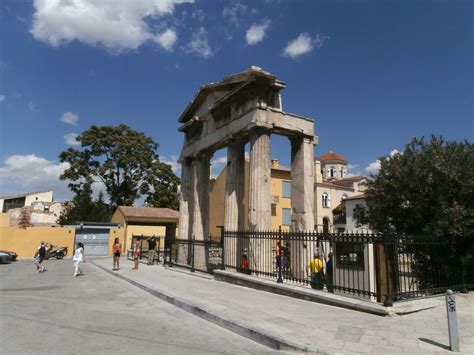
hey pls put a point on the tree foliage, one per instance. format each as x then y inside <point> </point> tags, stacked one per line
<point>164,187</point>
<point>124,160</point>
<point>84,209</point>
<point>427,189</point>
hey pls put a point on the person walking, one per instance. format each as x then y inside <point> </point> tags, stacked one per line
<point>316,270</point>
<point>151,250</point>
<point>117,251</point>
<point>78,259</point>
<point>39,257</point>
<point>136,253</point>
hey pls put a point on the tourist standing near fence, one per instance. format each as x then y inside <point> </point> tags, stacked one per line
<point>316,272</point>
<point>151,250</point>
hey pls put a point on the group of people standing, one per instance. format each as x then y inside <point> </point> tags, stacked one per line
<point>136,252</point>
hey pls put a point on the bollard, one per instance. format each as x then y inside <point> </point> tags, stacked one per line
<point>452,321</point>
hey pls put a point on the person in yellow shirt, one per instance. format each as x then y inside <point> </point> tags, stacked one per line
<point>316,270</point>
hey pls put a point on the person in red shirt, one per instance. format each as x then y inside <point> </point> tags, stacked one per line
<point>244,266</point>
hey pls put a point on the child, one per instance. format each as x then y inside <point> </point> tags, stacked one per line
<point>245,265</point>
<point>117,250</point>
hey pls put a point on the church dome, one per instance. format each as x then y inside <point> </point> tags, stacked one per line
<point>331,156</point>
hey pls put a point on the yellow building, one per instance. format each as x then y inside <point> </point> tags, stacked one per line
<point>332,186</point>
<point>146,221</point>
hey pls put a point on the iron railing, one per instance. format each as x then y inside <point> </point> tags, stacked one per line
<point>371,266</point>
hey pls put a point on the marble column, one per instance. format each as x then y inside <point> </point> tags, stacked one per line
<point>185,208</point>
<point>234,199</point>
<point>302,199</point>
<point>260,198</point>
<point>200,192</point>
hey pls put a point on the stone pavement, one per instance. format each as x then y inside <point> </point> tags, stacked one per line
<point>297,325</point>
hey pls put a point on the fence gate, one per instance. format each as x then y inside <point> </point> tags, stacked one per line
<point>96,241</point>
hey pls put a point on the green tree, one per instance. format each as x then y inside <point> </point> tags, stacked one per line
<point>84,209</point>
<point>165,187</point>
<point>120,157</point>
<point>428,190</point>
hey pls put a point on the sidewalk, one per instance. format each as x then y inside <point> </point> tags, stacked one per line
<point>291,324</point>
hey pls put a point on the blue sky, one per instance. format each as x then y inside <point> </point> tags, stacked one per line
<point>373,74</point>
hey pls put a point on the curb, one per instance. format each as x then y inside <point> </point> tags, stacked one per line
<point>247,332</point>
<point>300,293</point>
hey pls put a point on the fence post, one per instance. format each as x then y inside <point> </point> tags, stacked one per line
<point>279,259</point>
<point>388,297</point>
<point>223,250</point>
<point>192,255</point>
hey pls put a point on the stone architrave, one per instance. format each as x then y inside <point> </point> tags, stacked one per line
<point>260,197</point>
<point>302,199</point>
<point>234,200</point>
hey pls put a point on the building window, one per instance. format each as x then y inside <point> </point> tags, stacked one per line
<point>326,200</point>
<point>274,209</point>
<point>332,172</point>
<point>342,172</point>
<point>286,189</point>
<point>286,216</point>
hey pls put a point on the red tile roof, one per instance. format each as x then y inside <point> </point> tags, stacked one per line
<point>148,212</point>
<point>331,156</point>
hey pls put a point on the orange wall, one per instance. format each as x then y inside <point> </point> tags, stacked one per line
<point>25,242</point>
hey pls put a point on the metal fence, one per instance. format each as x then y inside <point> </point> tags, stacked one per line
<point>198,255</point>
<point>370,266</point>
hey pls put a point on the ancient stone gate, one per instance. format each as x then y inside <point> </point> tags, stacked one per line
<point>243,107</point>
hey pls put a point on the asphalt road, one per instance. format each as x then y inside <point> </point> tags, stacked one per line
<point>55,313</point>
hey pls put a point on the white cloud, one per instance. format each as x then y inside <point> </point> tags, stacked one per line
<point>70,139</point>
<point>217,165</point>
<point>2,98</point>
<point>167,39</point>
<point>69,118</point>
<point>175,165</point>
<point>303,44</point>
<point>116,25</point>
<point>373,168</point>
<point>31,106</point>
<point>200,44</point>
<point>233,14</point>
<point>23,173</point>
<point>256,33</point>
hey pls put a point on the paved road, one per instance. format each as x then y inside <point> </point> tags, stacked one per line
<point>55,313</point>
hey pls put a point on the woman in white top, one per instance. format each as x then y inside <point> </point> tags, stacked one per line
<point>78,258</point>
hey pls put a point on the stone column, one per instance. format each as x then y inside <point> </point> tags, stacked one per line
<point>200,191</point>
<point>234,204</point>
<point>185,209</point>
<point>302,197</point>
<point>260,197</point>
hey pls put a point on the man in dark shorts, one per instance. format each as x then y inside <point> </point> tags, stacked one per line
<point>39,257</point>
<point>151,250</point>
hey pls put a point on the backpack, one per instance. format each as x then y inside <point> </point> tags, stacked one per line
<point>42,251</point>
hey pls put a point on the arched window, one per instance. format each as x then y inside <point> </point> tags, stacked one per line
<point>332,172</point>
<point>343,173</point>
<point>326,200</point>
